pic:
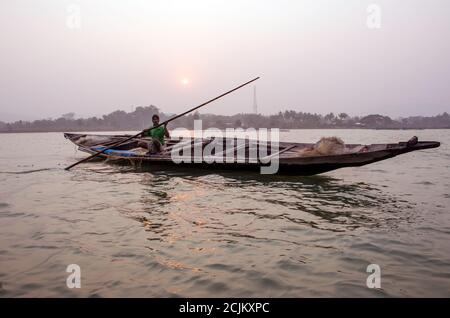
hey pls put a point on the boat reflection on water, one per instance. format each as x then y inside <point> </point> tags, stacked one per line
<point>231,200</point>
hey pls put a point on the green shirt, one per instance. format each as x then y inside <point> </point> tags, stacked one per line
<point>157,133</point>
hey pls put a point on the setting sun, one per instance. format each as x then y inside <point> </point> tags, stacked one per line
<point>185,81</point>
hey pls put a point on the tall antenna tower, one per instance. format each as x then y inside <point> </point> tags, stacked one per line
<point>255,105</point>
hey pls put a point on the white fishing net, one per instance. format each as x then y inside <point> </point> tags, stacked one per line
<point>329,146</point>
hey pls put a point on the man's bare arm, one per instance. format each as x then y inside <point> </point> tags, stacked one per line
<point>166,132</point>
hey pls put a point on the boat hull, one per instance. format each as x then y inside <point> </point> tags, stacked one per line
<point>289,162</point>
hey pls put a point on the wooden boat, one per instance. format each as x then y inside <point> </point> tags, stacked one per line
<point>293,158</point>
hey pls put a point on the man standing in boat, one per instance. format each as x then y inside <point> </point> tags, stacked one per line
<point>156,144</point>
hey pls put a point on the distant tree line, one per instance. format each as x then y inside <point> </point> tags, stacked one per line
<point>140,118</point>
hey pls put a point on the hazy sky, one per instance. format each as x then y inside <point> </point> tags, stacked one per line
<point>313,56</point>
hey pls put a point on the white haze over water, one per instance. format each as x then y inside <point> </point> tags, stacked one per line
<point>312,56</point>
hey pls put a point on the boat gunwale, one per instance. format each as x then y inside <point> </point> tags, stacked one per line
<point>363,157</point>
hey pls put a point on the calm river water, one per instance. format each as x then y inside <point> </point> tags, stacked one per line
<point>178,233</point>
